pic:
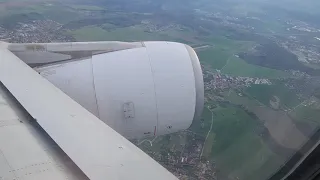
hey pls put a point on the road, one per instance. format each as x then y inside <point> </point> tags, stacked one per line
<point>148,141</point>
<point>208,132</point>
<point>201,47</point>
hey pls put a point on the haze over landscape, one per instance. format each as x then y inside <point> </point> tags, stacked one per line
<point>261,68</point>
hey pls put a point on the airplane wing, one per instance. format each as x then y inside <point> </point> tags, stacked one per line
<point>44,134</point>
<point>138,89</point>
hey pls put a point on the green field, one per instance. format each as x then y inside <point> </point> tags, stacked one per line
<point>230,45</point>
<point>223,56</point>
<point>175,142</point>
<point>87,7</point>
<point>307,114</point>
<point>235,98</point>
<point>264,93</point>
<point>238,67</point>
<point>221,41</point>
<point>202,126</point>
<point>256,162</point>
<point>94,33</point>
<point>208,146</point>
<point>61,14</point>
<point>230,123</point>
<point>234,133</point>
<point>184,36</point>
<point>216,58</point>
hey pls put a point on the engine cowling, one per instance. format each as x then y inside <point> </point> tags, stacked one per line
<point>151,90</point>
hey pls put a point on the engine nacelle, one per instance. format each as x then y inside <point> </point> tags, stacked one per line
<point>150,90</point>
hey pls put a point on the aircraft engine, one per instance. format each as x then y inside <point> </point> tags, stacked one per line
<point>150,90</point>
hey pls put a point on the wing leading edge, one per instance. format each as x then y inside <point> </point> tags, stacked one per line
<point>99,151</point>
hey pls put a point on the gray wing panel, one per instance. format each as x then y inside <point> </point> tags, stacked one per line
<point>26,151</point>
<point>99,151</point>
<point>37,54</point>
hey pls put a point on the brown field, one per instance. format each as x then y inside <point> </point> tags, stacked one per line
<point>281,127</point>
<point>283,132</point>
